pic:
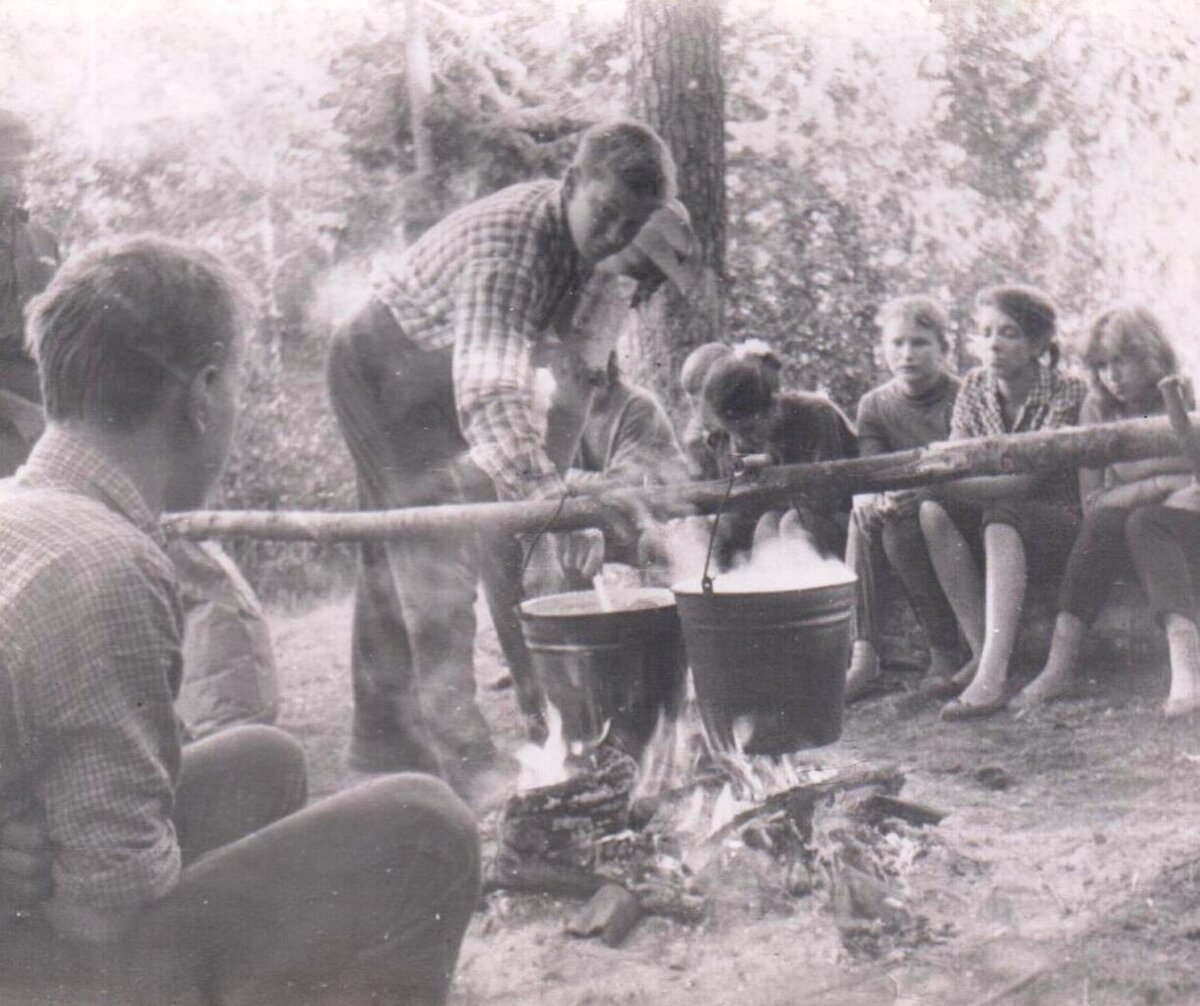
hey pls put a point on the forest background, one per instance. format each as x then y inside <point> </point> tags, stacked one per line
<point>872,148</point>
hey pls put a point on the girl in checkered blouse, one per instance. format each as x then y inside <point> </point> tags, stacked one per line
<point>1004,523</point>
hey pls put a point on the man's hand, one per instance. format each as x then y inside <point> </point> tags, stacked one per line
<point>25,860</point>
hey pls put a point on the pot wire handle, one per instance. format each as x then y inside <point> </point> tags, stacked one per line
<point>706,581</point>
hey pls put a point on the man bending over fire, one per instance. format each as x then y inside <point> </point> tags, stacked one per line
<point>433,386</point>
<point>131,870</point>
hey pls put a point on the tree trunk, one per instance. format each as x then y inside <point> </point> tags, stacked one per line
<point>423,200</point>
<point>677,89</point>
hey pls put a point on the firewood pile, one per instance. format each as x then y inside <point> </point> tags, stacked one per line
<point>628,850</point>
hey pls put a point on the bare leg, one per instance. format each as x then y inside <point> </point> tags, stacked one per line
<point>956,572</point>
<point>1055,678</point>
<point>1183,641</point>
<point>864,657</point>
<point>1004,596</point>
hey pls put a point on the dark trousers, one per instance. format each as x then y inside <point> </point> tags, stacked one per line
<point>906,551</point>
<point>363,897</point>
<point>1165,545</point>
<point>412,656</point>
<point>1099,557</point>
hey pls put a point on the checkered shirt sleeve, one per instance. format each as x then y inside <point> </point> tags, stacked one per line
<point>494,376</point>
<point>109,739</point>
<point>490,280</point>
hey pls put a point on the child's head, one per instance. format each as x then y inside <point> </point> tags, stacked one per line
<point>913,339</point>
<point>739,399</point>
<point>697,366</point>
<point>1127,353</point>
<point>1017,324</point>
<point>760,352</point>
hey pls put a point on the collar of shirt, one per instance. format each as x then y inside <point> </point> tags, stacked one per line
<point>62,460</point>
<point>1038,399</point>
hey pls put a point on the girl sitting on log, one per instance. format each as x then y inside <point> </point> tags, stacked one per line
<point>1127,354</point>
<point>911,410</point>
<point>1002,521</point>
<point>1164,539</point>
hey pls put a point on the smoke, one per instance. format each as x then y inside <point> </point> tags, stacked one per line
<point>783,557</point>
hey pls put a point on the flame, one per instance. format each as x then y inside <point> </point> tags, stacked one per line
<point>545,765</point>
<point>550,763</point>
<point>675,751</point>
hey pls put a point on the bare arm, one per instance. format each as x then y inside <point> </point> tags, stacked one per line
<point>1142,492</point>
<point>1132,471</point>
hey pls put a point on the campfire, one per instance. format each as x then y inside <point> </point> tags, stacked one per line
<point>663,836</point>
<point>657,818</point>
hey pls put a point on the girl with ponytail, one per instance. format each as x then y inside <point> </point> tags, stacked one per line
<point>1007,524</point>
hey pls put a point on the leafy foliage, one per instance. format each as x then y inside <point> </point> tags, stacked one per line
<point>872,150</point>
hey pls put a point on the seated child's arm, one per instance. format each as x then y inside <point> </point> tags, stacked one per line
<point>1143,492</point>
<point>1132,471</point>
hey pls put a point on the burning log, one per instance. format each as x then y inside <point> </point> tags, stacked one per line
<point>1044,450</point>
<point>562,824</point>
<point>879,807</point>
<point>797,802</point>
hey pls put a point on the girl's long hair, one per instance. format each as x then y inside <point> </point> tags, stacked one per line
<point>1132,331</point>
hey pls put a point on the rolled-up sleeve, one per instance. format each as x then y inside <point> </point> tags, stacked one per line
<point>494,377</point>
<point>110,744</point>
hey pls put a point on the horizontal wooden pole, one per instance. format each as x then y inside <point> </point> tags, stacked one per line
<point>1041,451</point>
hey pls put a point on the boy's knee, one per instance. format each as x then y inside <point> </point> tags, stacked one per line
<point>425,810</point>
<point>273,754</point>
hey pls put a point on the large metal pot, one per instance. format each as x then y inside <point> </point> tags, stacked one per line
<point>769,667</point>
<point>617,669</point>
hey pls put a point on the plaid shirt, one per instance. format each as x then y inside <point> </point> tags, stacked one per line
<point>1054,401</point>
<point>90,631</point>
<point>492,280</point>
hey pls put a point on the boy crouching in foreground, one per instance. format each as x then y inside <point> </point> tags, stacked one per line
<point>174,875</point>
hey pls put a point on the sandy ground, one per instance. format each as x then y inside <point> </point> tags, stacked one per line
<point>1064,865</point>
